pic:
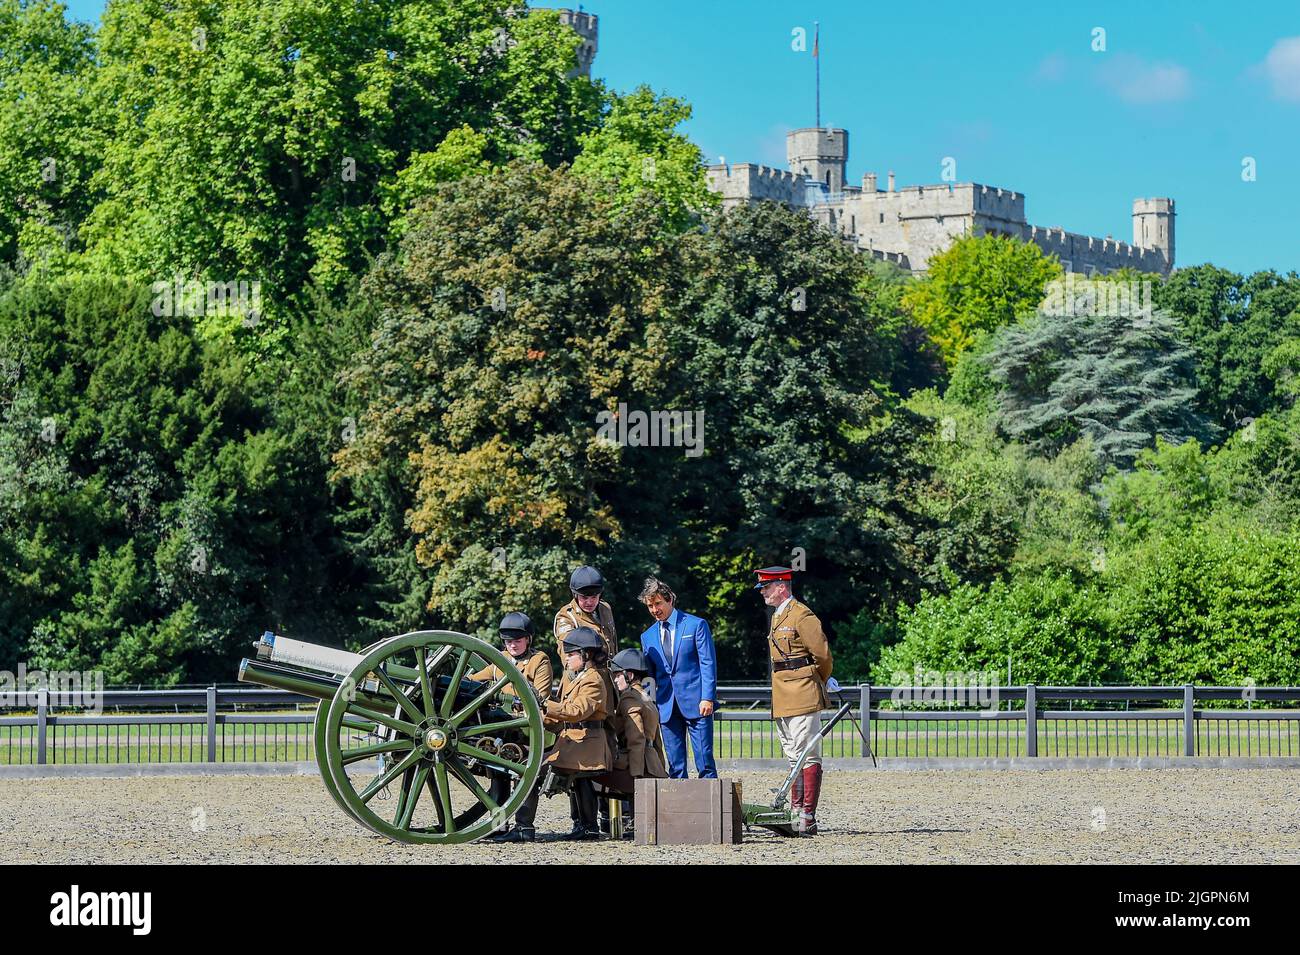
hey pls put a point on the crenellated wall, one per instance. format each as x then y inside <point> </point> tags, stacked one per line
<point>746,182</point>
<point>912,224</point>
<point>1085,253</point>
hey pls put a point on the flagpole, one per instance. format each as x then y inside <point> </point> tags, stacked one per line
<point>817,60</point>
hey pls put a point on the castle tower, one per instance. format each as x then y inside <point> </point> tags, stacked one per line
<point>819,154</point>
<point>584,24</point>
<point>1153,226</point>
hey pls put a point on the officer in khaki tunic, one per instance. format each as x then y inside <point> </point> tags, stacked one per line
<point>517,635</point>
<point>578,719</point>
<point>801,665</point>
<point>586,609</point>
<point>639,746</point>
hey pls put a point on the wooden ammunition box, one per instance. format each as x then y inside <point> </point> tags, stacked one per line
<point>688,812</point>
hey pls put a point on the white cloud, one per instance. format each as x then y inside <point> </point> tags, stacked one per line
<point>1135,80</point>
<point>1051,68</point>
<point>1282,67</point>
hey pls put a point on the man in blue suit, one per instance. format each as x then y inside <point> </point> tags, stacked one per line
<point>679,650</point>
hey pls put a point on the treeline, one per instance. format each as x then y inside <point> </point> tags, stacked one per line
<point>461,258</point>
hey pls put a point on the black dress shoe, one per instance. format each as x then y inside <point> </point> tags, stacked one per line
<point>518,834</point>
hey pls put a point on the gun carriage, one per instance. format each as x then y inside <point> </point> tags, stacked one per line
<point>406,745</point>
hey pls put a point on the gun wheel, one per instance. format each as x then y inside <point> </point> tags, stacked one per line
<point>455,759</point>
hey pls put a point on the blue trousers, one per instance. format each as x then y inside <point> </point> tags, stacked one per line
<point>701,732</point>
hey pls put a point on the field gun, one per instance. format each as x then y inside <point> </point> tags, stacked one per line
<point>400,719</point>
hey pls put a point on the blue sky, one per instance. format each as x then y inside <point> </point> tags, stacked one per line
<point>1014,92</point>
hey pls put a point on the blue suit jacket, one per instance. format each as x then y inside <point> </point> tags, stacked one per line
<point>691,675</point>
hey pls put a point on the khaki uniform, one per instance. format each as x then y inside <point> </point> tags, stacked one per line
<point>641,746</point>
<point>570,617</point>
<point>613,722</point>
<point>796,632</point>
<point>534,665</point>
<point>583,699</point>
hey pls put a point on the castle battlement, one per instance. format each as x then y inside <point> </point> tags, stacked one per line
<point>1087,253</point>
<point>911,224</point>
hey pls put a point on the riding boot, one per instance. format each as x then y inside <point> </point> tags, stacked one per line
<point>575,813</point>
<point>585,793</point>
<point>526,817</point>
<point>796,795</point>
<point>812,787</point>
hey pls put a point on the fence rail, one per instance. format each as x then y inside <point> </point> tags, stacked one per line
<point>250,725</point>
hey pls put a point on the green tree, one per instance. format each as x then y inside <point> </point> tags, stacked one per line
<point>519,307</point>
<point>787,339</point>
<point>1241,329</point>
<point>152,520</point>
<point>992,508</point>
<point>1053,629</point>
<point>1214,604</point>
<point>978,284</point>
<point>49,146</point>
<point>1121,382</point>
<point>638,148</point>
<point>262,141</point>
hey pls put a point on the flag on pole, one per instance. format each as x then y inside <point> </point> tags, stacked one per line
<point>816,34</point>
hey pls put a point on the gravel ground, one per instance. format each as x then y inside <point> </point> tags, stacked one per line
<point>1067,816</point>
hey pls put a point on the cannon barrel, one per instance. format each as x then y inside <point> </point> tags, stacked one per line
<point>288,678</point>
<point>310,669</point>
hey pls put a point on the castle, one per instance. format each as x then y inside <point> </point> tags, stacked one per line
<point>907,226</point>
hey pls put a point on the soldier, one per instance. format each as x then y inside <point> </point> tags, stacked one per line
<point>586,609</point>
<point>517,634</point>
<point>639,752</point>
<point>578,719</point>
<point>801,665</point>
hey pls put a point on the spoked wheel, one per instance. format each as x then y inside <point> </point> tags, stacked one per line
<point>456,759</point>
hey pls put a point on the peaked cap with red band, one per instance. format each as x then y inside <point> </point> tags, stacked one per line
<point>769,574</point>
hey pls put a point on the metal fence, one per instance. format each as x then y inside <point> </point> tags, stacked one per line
<point>257,725</point>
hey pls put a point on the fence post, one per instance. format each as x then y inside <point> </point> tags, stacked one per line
<point>212,724</point>
<point>1189,721</point>
<point>1031,720</point>
<point>42,724</point>
<point>864,704</point>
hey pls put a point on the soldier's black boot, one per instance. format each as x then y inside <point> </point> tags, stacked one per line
<point>517,834</point>
<point>526,817</point>
<point>585,792</point>
<point>575,815</point>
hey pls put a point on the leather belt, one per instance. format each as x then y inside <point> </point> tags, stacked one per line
<point>588,724</point>
<point>794,663</point>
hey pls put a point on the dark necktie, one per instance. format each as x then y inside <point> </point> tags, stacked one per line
<point>667,642</point>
